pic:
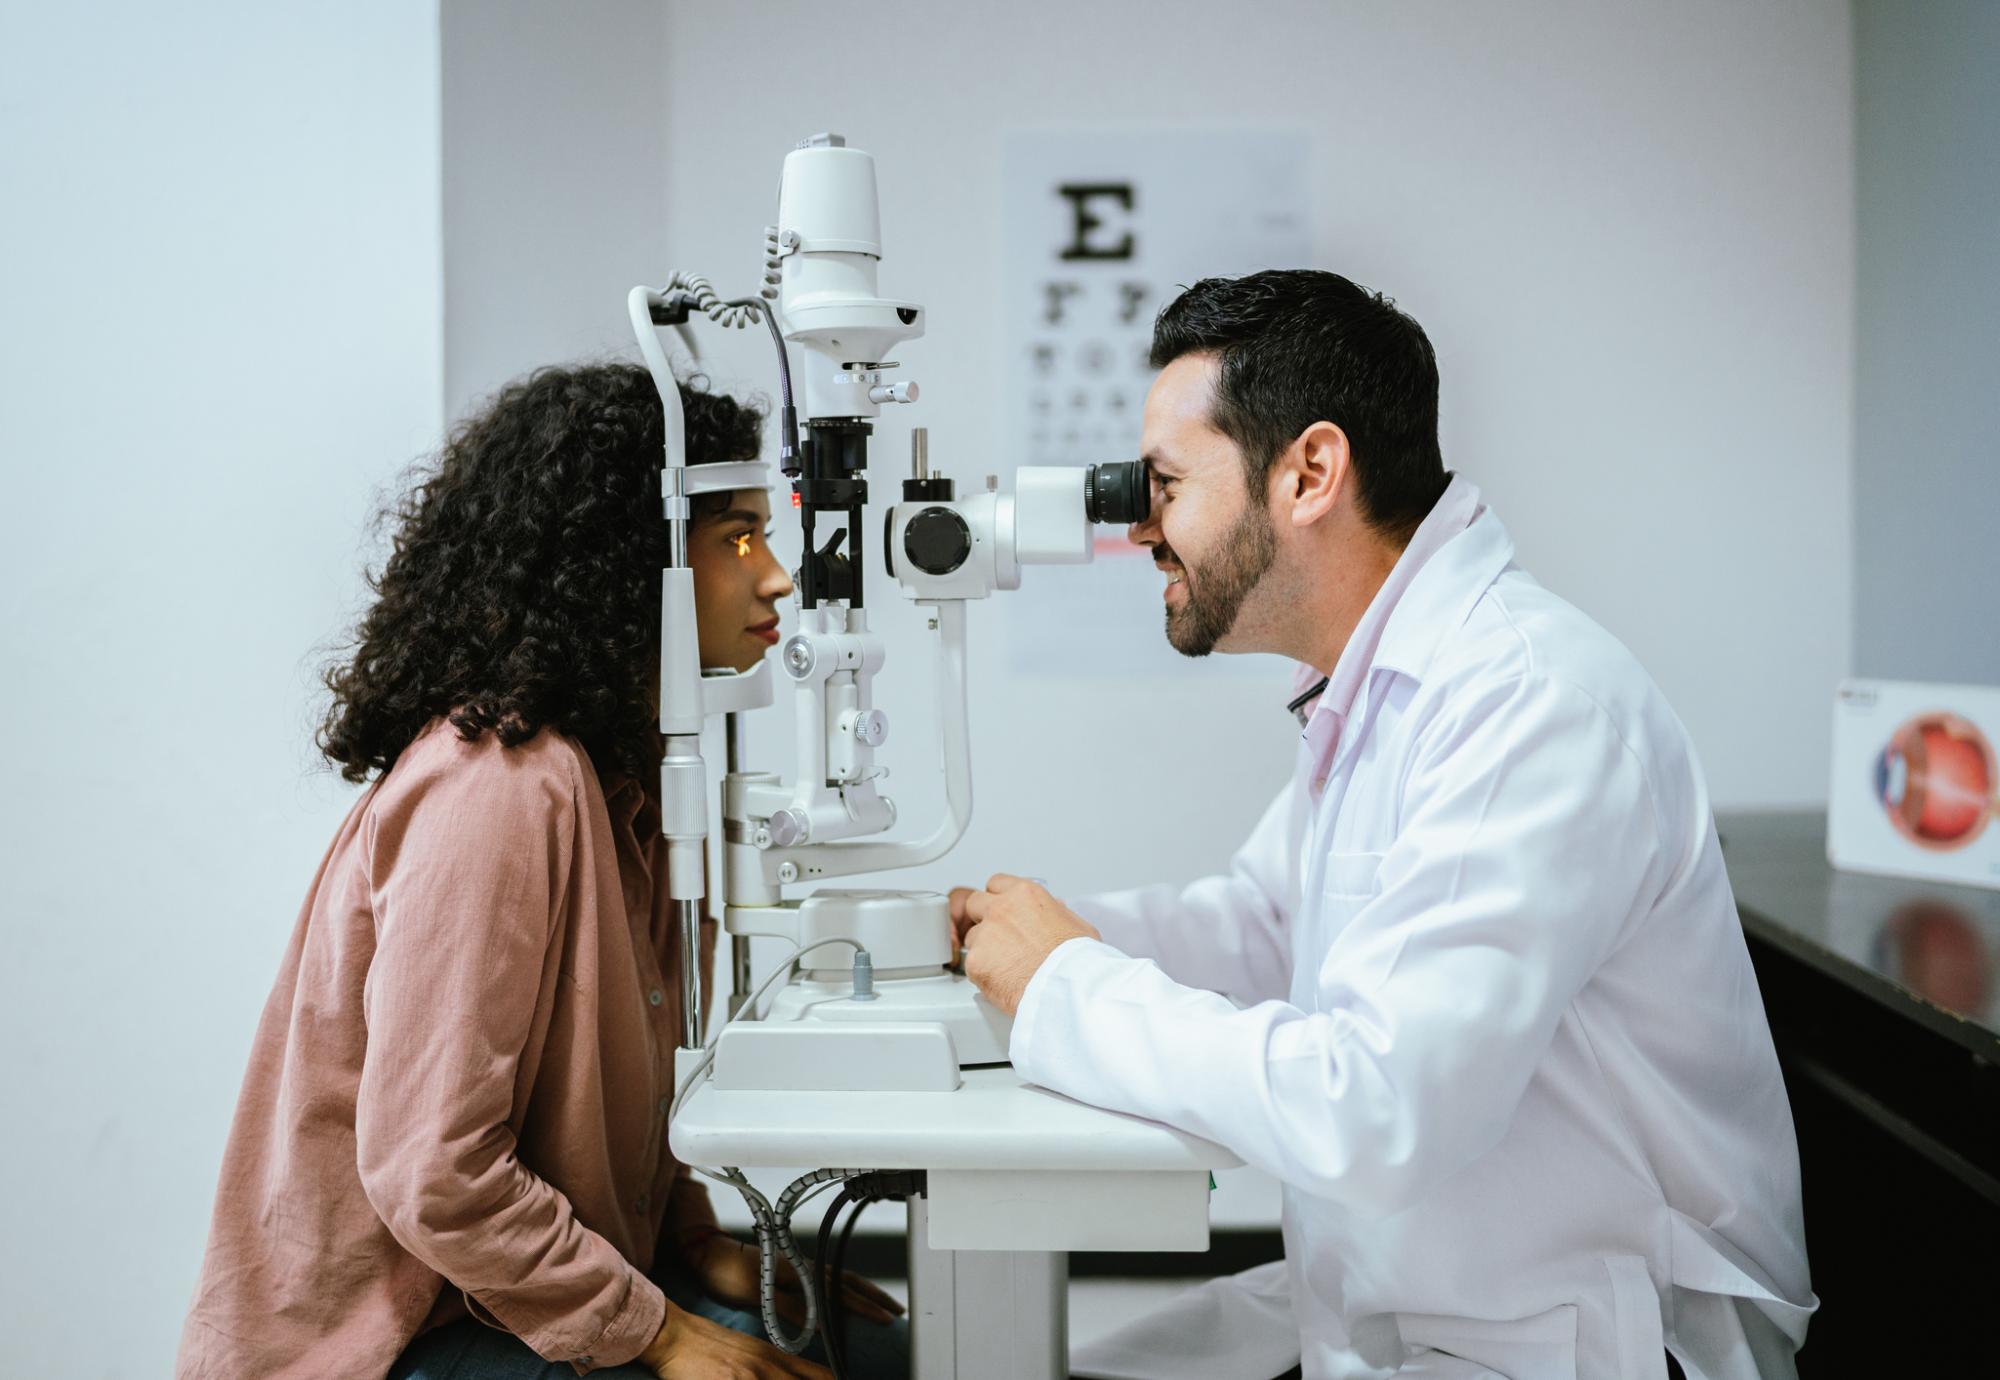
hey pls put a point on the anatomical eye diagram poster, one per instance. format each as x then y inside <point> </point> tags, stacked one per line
<point>1916,781</point>
<point>1103,229</point>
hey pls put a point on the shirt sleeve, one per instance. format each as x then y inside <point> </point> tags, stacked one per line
<point>468,873</point>
<point>1528,840</point>
<point>1225,933</point>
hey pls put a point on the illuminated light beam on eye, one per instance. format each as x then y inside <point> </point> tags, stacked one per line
<point>743,545</point>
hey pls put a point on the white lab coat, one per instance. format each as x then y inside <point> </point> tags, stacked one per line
<point>1494,1026</point>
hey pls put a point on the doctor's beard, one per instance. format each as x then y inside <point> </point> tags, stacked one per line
<point>1216,587</point>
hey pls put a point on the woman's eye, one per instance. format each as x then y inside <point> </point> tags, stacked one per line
<point>742,540</point>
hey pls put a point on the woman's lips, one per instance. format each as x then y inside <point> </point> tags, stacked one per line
<point>767,631</point>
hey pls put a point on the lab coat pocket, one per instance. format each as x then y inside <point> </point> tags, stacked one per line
<point>1347,883</point>
<point>1350,877</point>
<point>1641,1339</point>
<point>1540,1347</point>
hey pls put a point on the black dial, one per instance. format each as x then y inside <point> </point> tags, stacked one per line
<point>937,541</point>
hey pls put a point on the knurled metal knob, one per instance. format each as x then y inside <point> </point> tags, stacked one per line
<point>789,827</point>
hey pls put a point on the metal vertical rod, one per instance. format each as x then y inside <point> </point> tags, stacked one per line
<point>687,916</point>
<point>739,945</point>
<point>687,913</point>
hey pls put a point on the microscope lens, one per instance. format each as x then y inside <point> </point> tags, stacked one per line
<point>1117,492</point>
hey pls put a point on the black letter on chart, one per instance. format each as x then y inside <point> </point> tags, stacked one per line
<point>1053,297</point>
<point>1084,219</point>
<point>1131,297</point>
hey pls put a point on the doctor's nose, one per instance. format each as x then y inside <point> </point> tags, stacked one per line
<point>1146,531</point>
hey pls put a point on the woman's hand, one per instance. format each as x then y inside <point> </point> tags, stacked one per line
<point>692,1348</point>
<point>726,1269</point>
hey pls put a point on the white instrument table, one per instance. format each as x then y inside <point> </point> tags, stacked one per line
<point>1016,1177</point>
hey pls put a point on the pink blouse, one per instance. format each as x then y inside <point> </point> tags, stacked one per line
<point>458,1091</point>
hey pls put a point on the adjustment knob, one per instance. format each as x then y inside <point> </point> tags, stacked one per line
<point>789,827</point>
<point>799,657</point>
<point>870,726</point>
<point>937,541</point>
<point>893,393</point>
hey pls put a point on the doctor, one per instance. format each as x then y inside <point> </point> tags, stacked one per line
<point>1474,991</point>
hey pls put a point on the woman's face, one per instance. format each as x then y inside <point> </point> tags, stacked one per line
<point>737,582</point>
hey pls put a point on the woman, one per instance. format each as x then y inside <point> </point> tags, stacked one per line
<point>449,1157</point>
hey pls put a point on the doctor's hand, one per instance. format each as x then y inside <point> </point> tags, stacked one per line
<point>960,921</point>
<point>1014,925</point>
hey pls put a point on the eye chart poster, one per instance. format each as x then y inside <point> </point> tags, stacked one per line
<point>1103,229</point>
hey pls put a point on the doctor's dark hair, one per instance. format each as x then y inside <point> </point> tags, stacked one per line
<point>522,587</point>
<point>1299,346</point>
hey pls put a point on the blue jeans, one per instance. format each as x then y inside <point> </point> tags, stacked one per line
<point>470,1350</point>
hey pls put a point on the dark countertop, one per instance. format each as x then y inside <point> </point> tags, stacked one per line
<point>1883,997</point>
<point>1929,950</point>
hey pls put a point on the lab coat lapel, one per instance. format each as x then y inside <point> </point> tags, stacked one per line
<point>1435,604</point>
<point>1441,597</point>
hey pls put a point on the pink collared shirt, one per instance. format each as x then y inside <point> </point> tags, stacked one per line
<point>457,1094</point>
<point>1325,718</point>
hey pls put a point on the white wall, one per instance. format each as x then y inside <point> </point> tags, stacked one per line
<point>1627,229</point>
<point>554,187</point>
<point>1927,416</point>
<point>221,335</point>
<point>1628,232</point>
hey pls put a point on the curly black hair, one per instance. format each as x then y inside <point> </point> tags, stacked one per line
<point>522,587</point>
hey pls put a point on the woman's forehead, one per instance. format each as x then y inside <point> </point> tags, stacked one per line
<point>746,503</point>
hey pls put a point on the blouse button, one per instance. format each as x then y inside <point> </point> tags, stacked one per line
<point>644,1199</point>
<point>655,996</point>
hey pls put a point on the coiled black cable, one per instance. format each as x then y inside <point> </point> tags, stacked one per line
<point>830,1260</point>
<point>827,1276</point>
<point>788,412</point>
<point>836,1342</point>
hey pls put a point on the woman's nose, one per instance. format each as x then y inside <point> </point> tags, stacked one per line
<point>776,583</point>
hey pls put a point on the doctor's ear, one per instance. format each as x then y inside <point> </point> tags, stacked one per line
<point>1311,475</point>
